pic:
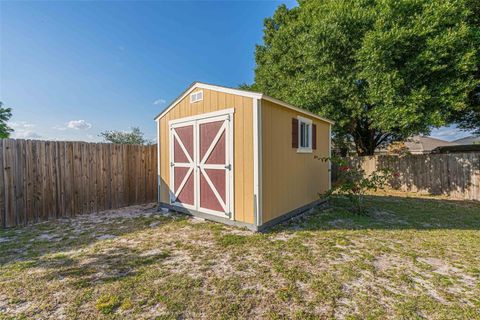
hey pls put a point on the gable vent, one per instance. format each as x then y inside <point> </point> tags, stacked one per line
<point>196,96</point>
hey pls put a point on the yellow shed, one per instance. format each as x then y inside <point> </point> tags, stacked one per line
<point>240,157</point>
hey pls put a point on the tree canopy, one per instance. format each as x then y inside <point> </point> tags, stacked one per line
<point>5,115</point>
<point>381,69</point>
<point>135,136</point>
<point>470,119</point>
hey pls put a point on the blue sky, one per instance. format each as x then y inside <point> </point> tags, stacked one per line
<point>70,70</point>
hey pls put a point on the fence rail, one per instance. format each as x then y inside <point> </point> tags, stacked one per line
<point>456,175</point>
<point>42,180</point>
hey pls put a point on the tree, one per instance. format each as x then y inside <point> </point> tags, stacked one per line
<point>5,115</point>
<point>381,69</point>
<point>470,118</point>
<point>123,137</point>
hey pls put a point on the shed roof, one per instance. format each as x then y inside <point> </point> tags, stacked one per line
<point>240,92</point>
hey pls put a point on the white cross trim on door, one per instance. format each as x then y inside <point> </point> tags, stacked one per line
<point>182,146</point>
<point>203,165</point>
<point>190,163</point>
<point>205,175</point>
<point>183,183</point>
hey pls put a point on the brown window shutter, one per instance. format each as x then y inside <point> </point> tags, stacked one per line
<point>294,133</point>
<point>314,136</point>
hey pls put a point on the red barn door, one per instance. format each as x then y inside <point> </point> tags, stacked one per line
<point>201,171</point>
<point>182,172</point>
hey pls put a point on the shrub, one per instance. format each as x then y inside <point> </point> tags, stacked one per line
<point>354,183</point>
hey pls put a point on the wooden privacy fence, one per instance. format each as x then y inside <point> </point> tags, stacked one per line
<point>456,175</point>
<point>42,180</point>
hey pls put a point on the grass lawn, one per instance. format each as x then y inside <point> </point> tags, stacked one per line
<point>411,259</point>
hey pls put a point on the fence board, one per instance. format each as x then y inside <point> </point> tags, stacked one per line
<point>47,181</point>
<point>28,186</point>
<point>121,176</point>
<point>454,175</point>
<point>42,180</point>
<point>127,166</point>
<point>19,168</point>
<point>10,219</point>
<point>114,170</point>
<point>2,187</point>
<point>37,183</point>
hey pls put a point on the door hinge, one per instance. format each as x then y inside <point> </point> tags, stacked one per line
<point>172,164</point>
<point>228,167</point>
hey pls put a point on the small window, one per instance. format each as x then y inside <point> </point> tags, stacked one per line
<point>197,96</point>
<point>304,135</point>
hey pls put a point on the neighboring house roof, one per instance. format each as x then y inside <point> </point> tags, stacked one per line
<point>243,93</point>
<point>468,140</point>
<point>461,148</point>
<point>423,144</point>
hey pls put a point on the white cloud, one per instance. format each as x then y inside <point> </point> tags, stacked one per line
<point>159,101</point>
<point>25,134</point>
<point>79,125</point>
<point>449,133</point>
<point>74,124</point>
<point>23,130</point>
<point>21,125</point>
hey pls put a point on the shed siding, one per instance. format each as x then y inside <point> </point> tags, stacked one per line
<point>290,179</point>
<point>243,145</point>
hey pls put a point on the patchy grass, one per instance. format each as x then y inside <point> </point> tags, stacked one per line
<point>107,304</point>
<point>412,258</point>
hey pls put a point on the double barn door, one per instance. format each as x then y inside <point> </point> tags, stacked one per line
<point>201,164</point>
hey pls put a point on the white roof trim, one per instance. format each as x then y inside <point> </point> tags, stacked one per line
<point>243,93</point>
<point>289,106</point>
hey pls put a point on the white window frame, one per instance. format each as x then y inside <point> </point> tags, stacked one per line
<point>309,123</point>
<point>196,96</point>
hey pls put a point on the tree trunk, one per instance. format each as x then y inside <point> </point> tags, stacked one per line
<point>364,139</point>
<point>367,139</point>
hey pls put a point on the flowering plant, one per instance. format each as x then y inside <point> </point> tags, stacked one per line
<point>354,183</point>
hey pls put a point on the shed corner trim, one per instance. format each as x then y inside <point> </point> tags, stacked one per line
<point>257,162</point>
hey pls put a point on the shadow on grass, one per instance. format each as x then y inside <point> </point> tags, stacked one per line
<point>98,268</point>
<point>389,213</point>
<point>36,244</point>
<point>46,245</point>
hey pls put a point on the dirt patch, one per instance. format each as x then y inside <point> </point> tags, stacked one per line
<point>106,237</point>
<point>387,217</point>
<point>141,263</point>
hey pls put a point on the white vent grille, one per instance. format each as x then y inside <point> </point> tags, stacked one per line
<point>197,96</point>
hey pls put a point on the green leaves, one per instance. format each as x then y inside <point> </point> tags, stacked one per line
<point>354,183</point>
<point>122,137</point>
<point>383,70</point>
<point>5,115</point>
